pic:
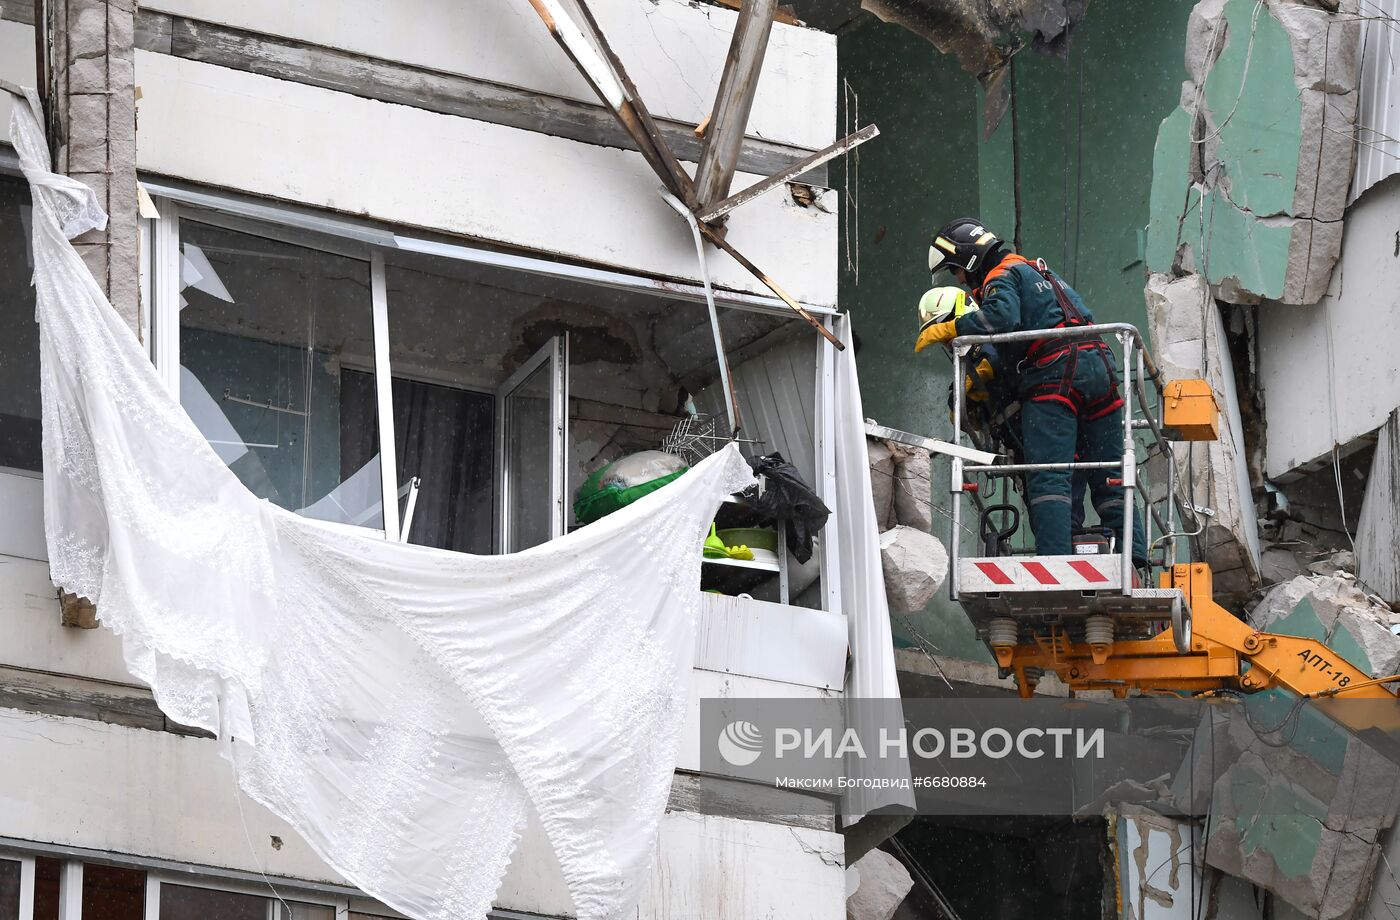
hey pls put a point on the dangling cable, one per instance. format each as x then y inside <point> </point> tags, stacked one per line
<point>731,401</point>
<point>226,741</point>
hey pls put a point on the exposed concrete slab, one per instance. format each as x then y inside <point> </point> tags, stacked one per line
<point>1251,173</point>
<point>1295,804</point>
<point>882,468</point>
<point>913,487</point>
<point>1327,373</point>
<point>884,883</point>
<point>1188,340</point>
<point>1334,609</point>
<point>915,564</point>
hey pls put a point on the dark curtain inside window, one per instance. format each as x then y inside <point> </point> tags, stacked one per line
<point>19,334</point>
<point>445,437</point>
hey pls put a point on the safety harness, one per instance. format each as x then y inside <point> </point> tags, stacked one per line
<point>1045,352</point>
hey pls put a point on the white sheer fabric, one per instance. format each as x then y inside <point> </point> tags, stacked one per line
<point>401,707</point>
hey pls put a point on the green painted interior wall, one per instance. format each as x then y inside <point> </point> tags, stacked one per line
<point>1088,126</point>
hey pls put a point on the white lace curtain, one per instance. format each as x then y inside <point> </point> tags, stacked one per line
<point>401,707</point>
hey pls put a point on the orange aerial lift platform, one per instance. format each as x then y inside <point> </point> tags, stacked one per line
<point>1091,618</point>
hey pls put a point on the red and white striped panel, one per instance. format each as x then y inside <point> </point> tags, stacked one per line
<point>1040,573</point>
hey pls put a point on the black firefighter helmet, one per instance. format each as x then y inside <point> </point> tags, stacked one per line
<point>963,243</point>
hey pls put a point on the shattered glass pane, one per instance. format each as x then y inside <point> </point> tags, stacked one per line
<point>269,333</point>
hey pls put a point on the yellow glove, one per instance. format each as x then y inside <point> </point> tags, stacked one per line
<point>936,334</point>
<point>975,385</point>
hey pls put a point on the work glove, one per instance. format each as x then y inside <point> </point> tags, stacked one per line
<point>975,384</point>
<point>936,334</point>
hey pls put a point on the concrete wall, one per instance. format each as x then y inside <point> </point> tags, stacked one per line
<point>153,793</point>
<point>1087,129</point>
<point>16,65</point>
<point>674,51</point>
<point>279,139</point>
<point>157,794</point>
<point>1328,372</point>
<point>145,793</point>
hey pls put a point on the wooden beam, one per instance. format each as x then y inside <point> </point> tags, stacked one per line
<point>602,78</point>
<point>783,14</point>
<point>680,180</point>
<point>845,145</point>
<point>430,90</point>
<point>718,240</point>
<point>734,101</point>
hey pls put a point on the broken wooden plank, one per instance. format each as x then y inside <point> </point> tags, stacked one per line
<point>783,14</point>
<point>718,240</point>
<point>734,101</point>
<point>601,77</point>
<point>680,180</point>
<point>845,145</point>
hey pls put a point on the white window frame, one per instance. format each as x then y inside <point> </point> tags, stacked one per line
<point>166,327</point>
<point>343,898</point>
<point>555,355</point>
<point>362,240</point>
<point>22,491</point>
<point>26,883</point>
<point>273,897</point>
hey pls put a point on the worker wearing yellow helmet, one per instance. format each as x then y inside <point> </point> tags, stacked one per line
<point>1070,405</point>
<point>945,305</point>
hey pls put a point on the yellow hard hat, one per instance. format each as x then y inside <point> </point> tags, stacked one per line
<point>941,304</point>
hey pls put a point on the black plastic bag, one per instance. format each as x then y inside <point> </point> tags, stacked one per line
<point>788,499</point>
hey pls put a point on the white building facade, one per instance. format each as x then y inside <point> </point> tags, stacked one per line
<point>407,276</point>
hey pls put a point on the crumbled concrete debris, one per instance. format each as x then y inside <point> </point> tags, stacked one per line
<point>882,470</point>
<point>1265,221</point>
<point>884,883</point>
<point>1336,610</point>
<point>915,564</point>
<point>1188,340</point>
<point>1342,562</point>
<point>1302,820</point>
<point>984,35</point>
<point>913,487</point>
<point>1296,803</point>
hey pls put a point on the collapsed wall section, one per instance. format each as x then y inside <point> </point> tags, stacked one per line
<point>1188,339</point>
<point>1251,172</point>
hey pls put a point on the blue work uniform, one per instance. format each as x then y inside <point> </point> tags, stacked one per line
<point>1070,404</point>
<point>1002,414</point>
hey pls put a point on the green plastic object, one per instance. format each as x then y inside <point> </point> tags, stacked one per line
<point>595,500</point>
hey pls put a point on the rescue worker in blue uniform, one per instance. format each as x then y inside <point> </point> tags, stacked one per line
<point>990,388</point>
<point>1068,389</point>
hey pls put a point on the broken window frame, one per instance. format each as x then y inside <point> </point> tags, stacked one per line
<point>364,240</point>
<point>165,326</point>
